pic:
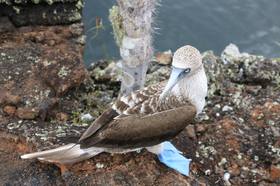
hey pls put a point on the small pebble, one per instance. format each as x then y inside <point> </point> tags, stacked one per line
<point>226,178</point>
<point>239,156</point>
<point>227,108</point>
<point>241,120</point>
<point>99,165</point>
<point>256,158</point>
<point>86,117</point>
<point>222,162</point>
<point>207,172</point>
<point>191,131</point>
<point>218,106</point>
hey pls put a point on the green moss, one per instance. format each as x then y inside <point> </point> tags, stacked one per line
<point>80,4</point>
<point>116,21</point>
<point>50,2</point>
<point>16,9</point>
<point>8,2</point>
<point>75,17</point>
<point>44,15</point>
<point>17,1</point>
<point>277,59</point>
<point>76,117</point>
<point>36,1</point>
<point>63,72</point>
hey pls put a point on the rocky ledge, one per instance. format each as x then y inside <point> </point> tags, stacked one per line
<point>48,98</point>
<point>41,12</point>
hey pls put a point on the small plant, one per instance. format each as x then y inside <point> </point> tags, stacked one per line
<point>97,28</point>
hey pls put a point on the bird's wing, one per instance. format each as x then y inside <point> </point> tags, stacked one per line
<point>142,130</point>
<point>104,119</point>
<point>125,106</point>
<point>133,111</point>
<point>147,101</point>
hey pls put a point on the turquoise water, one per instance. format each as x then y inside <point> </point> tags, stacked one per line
<point>254,25</point>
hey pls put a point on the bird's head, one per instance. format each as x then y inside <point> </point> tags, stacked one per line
<point>187,61</point>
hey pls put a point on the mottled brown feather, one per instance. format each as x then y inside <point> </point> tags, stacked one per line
<point>138,109</point>
<point>105,118</point>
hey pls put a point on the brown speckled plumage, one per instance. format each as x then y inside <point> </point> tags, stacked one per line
<point>147,101</point>
<point>128,110</point>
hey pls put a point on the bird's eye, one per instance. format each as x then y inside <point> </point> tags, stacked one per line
<point>187,70</point>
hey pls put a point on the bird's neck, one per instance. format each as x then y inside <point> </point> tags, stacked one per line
<point>193,88</point>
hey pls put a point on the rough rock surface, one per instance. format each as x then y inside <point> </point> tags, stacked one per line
<point>237,135</point>
<point>41,12</point>
<point>38,65</point>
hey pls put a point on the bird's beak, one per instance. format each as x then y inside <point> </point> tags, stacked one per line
<point>177,74</point>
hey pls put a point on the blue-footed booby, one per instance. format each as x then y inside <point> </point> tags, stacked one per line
<point>145,118</point>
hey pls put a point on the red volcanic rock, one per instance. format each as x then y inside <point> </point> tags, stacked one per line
<point>200,128</point>
<point>234,169</point>
<point>7,98</point>
<point>274,173</point>
<point>62,72</point>
<point>27,113</point>
<point>190,131</point>
<point>10,110</point>
<point>62,116</point>
<point>40,63</point>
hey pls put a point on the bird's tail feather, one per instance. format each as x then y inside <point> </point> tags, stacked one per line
<point>67,154</point>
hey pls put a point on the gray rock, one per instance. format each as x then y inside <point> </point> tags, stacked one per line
<point>227,108</point>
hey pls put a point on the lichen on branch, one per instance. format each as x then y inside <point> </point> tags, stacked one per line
<point>117,24</point>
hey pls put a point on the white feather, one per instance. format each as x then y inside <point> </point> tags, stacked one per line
<point>66,154</point>
<point>47,152</point>
<point>124,99</point>
<point>114,107</point>
<point>194,88</point>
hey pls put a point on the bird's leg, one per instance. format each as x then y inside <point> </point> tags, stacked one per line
<point>156,149</point>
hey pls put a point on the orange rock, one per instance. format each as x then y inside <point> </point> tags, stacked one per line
<point>277,143</point>
<point>13,99</point>
<point>273,107</point>
<point>274,173</point>
<point>2,96</point>
<point>228,124</point>
<point>258,116</point>
<point>194,167</point>
<point>257,113</point>
<point>27,113</point>
<point>23,147</point>
<point>61,116</point>
<point>234,169</point>
<point>7,98</point>
<point>233,143</point>
<point>200,128</point>
<point>190,131</point>
<point>10,110</point>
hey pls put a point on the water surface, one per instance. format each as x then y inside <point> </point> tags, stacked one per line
<point>254,25</point>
